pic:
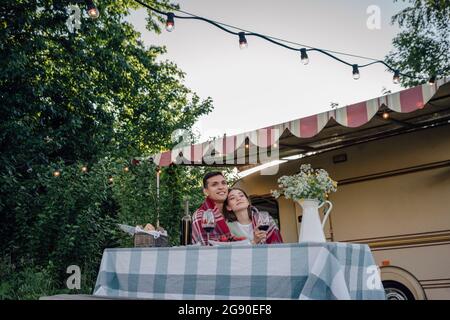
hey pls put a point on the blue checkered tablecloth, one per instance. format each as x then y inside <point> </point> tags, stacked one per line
<point>277,271</point>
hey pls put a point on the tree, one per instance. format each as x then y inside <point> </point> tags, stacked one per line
<point>422,48</point>
<point>92,98</point>
<point>66,96</point>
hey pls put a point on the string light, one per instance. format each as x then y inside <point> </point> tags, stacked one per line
<point>242,41</point>
<point>304,56</point>
<point>303,51</point>
<point>355,72</point>
<point>385,115</point>
<point>126,169</point>
<point>84,169</point>
<point>92,9</point>
<point>111,180</point>
<point>170,22</point>
<point>56,173</point>
<point>396,78</point>
<point>432,80</point>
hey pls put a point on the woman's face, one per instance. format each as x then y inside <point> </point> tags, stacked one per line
<point>237,201</point>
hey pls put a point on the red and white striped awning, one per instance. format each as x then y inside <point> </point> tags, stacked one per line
<point>353,115</point>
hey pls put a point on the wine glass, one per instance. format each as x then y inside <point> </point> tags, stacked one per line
<point>263,221</point>
<point>208,222</point>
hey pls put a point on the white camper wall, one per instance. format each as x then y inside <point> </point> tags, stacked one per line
<point>379,207</point>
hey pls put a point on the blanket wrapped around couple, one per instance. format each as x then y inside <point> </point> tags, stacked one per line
<point>198,234</point>
<point>273,233</point>
<point>222,228</point>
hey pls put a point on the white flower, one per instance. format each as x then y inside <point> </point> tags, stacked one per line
<point>307,184</point>
<point>275,193</point>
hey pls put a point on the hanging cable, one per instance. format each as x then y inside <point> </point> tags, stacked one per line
<point>279,39</point>
<point>303,51</point>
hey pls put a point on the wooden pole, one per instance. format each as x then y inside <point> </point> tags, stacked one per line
<point>158,171</point>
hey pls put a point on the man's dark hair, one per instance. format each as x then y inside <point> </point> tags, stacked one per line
<point>210,175</point>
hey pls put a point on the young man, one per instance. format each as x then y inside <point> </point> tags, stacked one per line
<point>215,188</point>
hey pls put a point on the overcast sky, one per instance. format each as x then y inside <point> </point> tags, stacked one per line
<point>266,84</point>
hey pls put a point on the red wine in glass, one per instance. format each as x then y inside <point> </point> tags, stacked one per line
<point>263,222</point>
<point>208,229</point>
<point>208,223</point>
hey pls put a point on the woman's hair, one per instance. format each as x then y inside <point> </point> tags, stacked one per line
<point>228,214</point>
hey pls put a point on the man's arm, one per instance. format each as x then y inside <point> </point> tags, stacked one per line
<point>197,235</point>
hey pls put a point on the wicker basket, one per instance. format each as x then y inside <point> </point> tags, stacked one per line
<point>147,240</point>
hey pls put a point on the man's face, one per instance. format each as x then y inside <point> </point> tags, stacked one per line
<point>216,188</point>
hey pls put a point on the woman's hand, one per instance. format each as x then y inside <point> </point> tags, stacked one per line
<point>259,236</point>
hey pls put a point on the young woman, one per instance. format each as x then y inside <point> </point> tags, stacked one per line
<point>245,220</point>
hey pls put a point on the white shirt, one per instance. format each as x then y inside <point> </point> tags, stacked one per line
<point>247,229</point>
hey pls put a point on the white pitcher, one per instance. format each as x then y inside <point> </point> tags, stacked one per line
<point>311,229</point>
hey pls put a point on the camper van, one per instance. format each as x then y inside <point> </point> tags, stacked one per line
<point>393,193</point>
<point>391,158</point>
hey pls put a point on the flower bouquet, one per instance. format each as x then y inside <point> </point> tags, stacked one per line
<point>310,188</point>
<point>307,184</point>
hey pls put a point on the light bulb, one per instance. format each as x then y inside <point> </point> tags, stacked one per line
<point>396,78</point>
<point>92,9</point>
<point>242,41</point>
<point>170,22</point>
<point>304,56</point>
<point>432,80</point>
<point>385,115</point>
<point>355,72</point>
